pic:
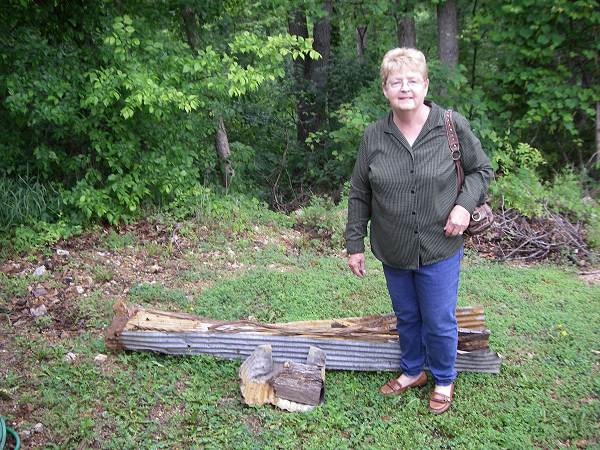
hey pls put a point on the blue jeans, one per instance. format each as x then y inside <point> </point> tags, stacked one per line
<point>424,301</point>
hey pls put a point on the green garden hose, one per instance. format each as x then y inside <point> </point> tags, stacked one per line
<point>3,433</point>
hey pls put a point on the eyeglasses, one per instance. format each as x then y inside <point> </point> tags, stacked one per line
<point>411,83</point>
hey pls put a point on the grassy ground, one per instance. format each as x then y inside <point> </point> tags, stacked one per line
<point>544,322</point>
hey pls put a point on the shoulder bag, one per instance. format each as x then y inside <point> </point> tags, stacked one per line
<point>482,217</point>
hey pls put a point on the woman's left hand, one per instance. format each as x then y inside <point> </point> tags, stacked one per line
<point>457,222</point>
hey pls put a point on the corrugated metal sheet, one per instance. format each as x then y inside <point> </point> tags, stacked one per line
<point>341,354</point>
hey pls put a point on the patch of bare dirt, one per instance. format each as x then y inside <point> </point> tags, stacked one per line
<point>591,276</point>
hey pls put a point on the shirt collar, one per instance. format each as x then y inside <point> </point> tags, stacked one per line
<point>434,119</point>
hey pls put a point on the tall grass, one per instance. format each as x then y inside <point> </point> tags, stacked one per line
<point>25,200</point>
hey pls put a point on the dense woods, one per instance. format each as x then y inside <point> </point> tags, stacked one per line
<point>110,108</point>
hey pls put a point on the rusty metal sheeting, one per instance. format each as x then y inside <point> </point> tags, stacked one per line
<point>359,343</point>
<point>341,354</point>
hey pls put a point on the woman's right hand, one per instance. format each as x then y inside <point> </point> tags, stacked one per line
<point>356,262</point>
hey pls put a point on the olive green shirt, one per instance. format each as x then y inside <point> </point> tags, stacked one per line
<point>407,192</point>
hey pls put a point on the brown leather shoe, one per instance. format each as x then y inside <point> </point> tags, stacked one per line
<point>393,387</point>
<point>440,403</point>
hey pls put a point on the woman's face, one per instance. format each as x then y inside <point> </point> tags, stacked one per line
<point>405,89</point>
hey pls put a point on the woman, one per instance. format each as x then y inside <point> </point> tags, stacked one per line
<point>404,182</point>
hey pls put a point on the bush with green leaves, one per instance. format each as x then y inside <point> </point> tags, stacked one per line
<point>325,220</point>
<point>520,186</point>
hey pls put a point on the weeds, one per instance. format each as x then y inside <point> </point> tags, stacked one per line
<point>117,241</point>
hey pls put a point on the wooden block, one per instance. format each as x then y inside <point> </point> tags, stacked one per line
<point>301,383</point>
<point>255,376</point>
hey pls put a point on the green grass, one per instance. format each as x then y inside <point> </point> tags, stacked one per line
<point>544,322</point>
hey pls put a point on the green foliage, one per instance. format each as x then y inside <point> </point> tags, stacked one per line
<point>40,234</point>
<point>116,241</point>
<point>566,195</point>
<point>533,53</point>
<point>107,111</point>
<point>25,201</point>
<point>12,287</point>
<point>237,212</point>
<point>324,220</point>
<point>521,190</point>
<point>593,229</point>
<point>131,111</point>
<point>520,186</point>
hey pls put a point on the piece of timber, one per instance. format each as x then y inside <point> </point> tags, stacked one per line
<point>300,383</point>
<point>360,343</point>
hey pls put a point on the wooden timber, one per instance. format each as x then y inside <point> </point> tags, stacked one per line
<point>292,386</point>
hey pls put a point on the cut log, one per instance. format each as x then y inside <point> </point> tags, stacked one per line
<point>292,386</point>
<point>300,383</point>
<point>255,375</point>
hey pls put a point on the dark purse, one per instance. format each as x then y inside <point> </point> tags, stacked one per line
<point>482,217</point>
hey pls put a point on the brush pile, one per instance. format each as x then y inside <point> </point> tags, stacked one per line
<point>515,237</point>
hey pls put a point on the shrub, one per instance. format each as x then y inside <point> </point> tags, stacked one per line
<point>325,220</point>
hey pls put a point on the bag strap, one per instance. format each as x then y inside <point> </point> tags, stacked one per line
<point>454,146</point>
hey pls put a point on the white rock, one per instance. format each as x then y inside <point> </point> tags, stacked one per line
<point>155,268</point>
<point>293,406</point>
<point>25,434</point>
<point>39,271</point>
<point>39,311</point>
<point>61,252</point>
<point>70,357</point>
<point>38,428</point>
<point>100,358</point>
<point>79,289</point>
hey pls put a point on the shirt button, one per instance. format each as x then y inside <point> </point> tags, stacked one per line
<point>414,212</point>
<point>412,191</point>
<point>416,232</point>
<point>412,171</point>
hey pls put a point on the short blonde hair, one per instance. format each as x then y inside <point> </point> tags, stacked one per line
<point>399,58</point>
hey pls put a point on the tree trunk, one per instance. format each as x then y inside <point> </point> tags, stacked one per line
<point>406,32</point>
<point>191,28</point>
<point>447,34</point>
<point>221,140</point>
<point>598,132</point>
<point>293,386</point>
<point>224,154</point>
<point>319,67</point>
<point>361,42</point>
<point>297,27</point>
